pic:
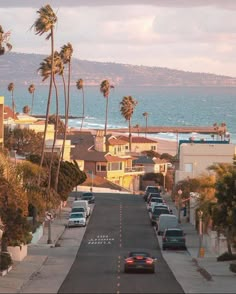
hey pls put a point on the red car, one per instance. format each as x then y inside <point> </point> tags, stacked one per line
<point>139,261</point>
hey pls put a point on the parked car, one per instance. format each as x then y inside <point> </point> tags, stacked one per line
<point>153,201</point>
<point>173,238</point>
<point>139,261</point>
<point>157,212</point>
<point>166,221</point>
<point>78,209</point>
<point>77,219</point>
<point>150,189</point>
<point>150,195</point>
<point>89,196</point>
<point>82,203</point>
<point>155,205</point>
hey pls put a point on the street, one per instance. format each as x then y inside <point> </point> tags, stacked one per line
<point>118,225</point>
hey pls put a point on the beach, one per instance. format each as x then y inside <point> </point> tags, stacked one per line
<point>167,146</point>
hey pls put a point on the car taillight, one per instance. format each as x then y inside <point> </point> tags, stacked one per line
<point>129,260</point>
<point>139,257</point>
<point>149,261</point>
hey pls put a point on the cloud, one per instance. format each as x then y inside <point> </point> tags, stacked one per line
<point>228,4</point>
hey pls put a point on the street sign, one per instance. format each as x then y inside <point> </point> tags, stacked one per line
<point>48,216</point>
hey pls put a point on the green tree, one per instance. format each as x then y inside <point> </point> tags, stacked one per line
<point>45,23</point>
<point>31,90</point>
<point>4,44</point>
<point>11,88</point>
<point>80,86</point>
<point>26,109</point>
<point>127,106</point>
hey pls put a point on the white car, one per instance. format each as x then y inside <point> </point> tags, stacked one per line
<point>158,205</point>
<point>77,219</point>
<point>153,202</point>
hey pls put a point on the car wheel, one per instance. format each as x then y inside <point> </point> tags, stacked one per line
<point>163,248</point>
<point>158,233</point>
<point>126,270</point>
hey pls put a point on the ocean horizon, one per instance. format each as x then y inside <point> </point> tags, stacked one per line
<point>166,106</point>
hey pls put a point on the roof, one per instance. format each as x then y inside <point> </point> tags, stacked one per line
<point>111,158</point>
<point>141,140</point>
<point>8,113</point>
<point>117,141</point>
<point>144,160</point>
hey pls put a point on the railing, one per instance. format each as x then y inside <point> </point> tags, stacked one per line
<point>134,169</point>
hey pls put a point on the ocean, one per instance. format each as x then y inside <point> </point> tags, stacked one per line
<point>167,106</point>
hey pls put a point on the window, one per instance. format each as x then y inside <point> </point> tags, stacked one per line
<point>153,147</point>
<point>115,166</point>
<point>188,167</point>
<point>101,167</point>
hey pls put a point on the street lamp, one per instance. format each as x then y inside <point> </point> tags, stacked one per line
<point>179,204</point>
<point>201,249</point>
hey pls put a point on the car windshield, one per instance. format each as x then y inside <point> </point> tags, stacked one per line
<point>152,190</point>
<point>76,215</point>
<point>78,209</point>
<point>87,194</point>
<point>159,211</point>
<point>134,254</point>
<point>87,197</point>
<point>155,199</point>
<point>174,233</point>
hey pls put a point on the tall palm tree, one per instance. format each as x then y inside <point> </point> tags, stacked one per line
<point>11,88</point>
<point>145,114</point>
<point>127,106</point>
<point>31,90</point>
<point>66,55</point>
<point>80,86</point>
<point>105,90</point>
<point>45,24</point>
<point>4,44</point>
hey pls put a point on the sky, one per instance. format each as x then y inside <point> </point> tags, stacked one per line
<point>189,35</point>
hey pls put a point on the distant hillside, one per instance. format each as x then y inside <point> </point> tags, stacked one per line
<point>22,68</point>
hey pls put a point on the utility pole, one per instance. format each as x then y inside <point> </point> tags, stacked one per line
<point>201,249</point>
<point>179,204</point>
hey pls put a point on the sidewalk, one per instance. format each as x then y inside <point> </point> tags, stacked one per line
<point>38,254</point>
<point>217,276</point>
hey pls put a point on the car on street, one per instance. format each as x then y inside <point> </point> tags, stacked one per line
<point>158,210</point>
<point>150,195</point>
<point>139,261</point>
<point>78,209</point>
<point>173,238</point>
<point>77,219</point>
<point>89,196</point>
<point>150,189</point>
<point>153,202</point>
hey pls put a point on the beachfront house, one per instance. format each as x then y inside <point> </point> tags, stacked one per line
<point>114,165</point>
<point>195,157</point>
<point>152,164</point>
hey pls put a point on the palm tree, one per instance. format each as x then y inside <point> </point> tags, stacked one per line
<point>45,23</point>
<point>145,114</point>
<point>31,90</point>
<point>80,86</point>
<point>137,126</point>
<point>128,105</point>
<point>4,44</point>
<point>66,55</point>
<point>105,90</point>
<point>11,88</point>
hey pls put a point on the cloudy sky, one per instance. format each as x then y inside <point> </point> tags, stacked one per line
<point>191,35</point>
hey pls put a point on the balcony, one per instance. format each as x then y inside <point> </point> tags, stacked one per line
<point>138,170</point>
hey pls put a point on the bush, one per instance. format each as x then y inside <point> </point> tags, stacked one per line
<point>5,261</point>
<point>232,267</point>
<point>226,256</point>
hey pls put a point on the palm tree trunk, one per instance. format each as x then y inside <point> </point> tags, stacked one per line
<point>48,105</point>
<point>146,128</point>
<point>66,119</point>
<point>130,136</point>
<point>32,103</point>
<point>82,111</point>
<point>13,104</point>
<point>106,119</point>
<point>228,235</point>
<point>55,134</point>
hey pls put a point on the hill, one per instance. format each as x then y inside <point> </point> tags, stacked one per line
<point>22,68</point>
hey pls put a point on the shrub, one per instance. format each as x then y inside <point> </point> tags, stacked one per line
<point>5,261</point>
<point>226,256</point>
<point>232,267</point>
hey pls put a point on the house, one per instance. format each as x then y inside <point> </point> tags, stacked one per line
<point>114,165</point>
<point>140,144</point>
<point>195,157</point>
<point>152,165</point>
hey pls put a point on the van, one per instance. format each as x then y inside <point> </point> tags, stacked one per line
<point>82,203</point>
<point>157,211</point>
<point>166,221</point>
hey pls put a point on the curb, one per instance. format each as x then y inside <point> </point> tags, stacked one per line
<point>202,270</point>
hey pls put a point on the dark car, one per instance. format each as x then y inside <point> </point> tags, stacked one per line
<point>150,189</point>
<point>139,261</point>
<point>173,238</point>
<point>158,210</point>
<point>88,196</point>
<point>151,195</point>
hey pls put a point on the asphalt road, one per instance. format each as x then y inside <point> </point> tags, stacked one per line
<point>119,223</point>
